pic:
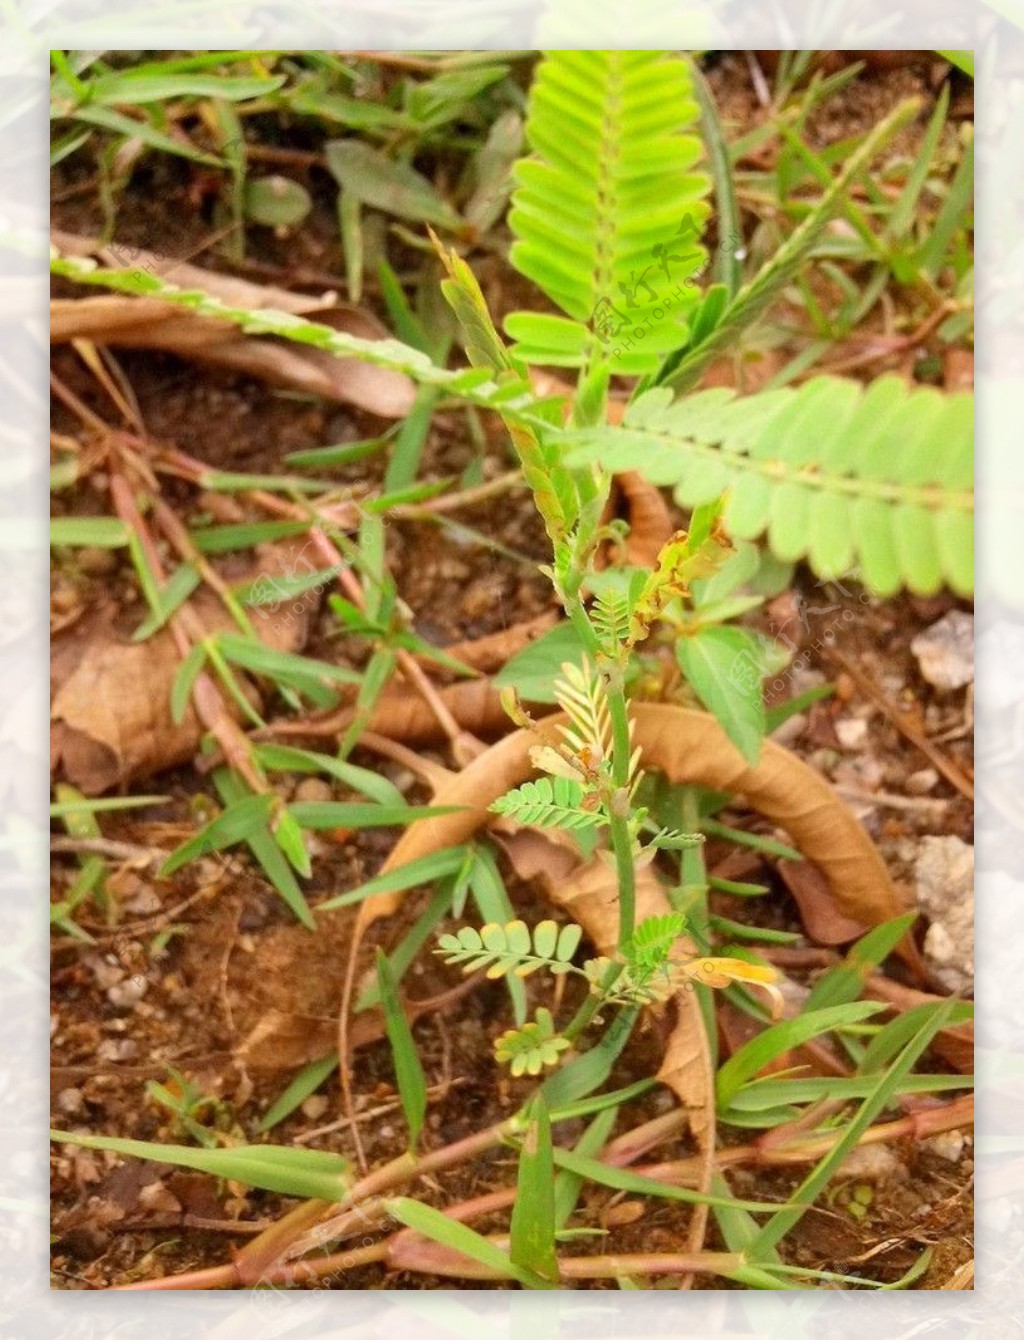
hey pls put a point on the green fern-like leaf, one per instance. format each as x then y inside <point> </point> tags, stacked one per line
<point>529,1049</point>
<point>634,985</point>
<point>580,692</point>
<point>610,617</point>
<point>608,210</point>
<point>877,481</point>
<point>549,802</point>
<point>511,948</point>
<point>653,940</point>
<point>675,839</point>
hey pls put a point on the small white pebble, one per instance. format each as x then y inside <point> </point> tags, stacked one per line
<point>947,1145</point>
<point>69,1101</point>
<point>128,994</point>
<point>117,1049</point>
<point>851,732</point>
<point>945,652</point>
<point>157,1199</point>
<point>921,782</point>
<point>315,1106</point>
<point>873,1163</point>
<point>107,971</point>
<point>944,876</point>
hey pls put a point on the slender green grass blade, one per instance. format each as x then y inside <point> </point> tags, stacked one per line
<point>236,823</point>
<point>491,897</point>
<point>286,1169</point>
<point>532,1231</point>
<point>408,876</point>
<point>846,980</point>
<point>342,814</point>
<point>306,1082</point>
<point>754,1055</point>
<point>94,532</point>
<point>569,1184</point>
<point>460,1238</point>
<point>588,1071</point>
<point>412,1084</point>
<point>623,1179</point>
<point>884,1093</point>
<point>286,758</point>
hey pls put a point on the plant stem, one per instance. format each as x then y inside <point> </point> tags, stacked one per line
<point>621,839</point>
<point>622,846</point>
<point>580,1021</point>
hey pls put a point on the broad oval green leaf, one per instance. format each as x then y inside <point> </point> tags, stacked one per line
<point>380,182</point>
<point>725,667</point>
<point>276,201</point>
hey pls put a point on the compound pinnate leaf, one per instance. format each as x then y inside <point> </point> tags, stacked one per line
<point>512,948</point>
<point>608,208</point>
<point>549,802</point>
<point>878,479</point>
<point>529,1049</point>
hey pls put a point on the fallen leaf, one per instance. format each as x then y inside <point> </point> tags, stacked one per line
<point>823,921</point>
<point>284,1040</point>
<point>287,1040</point>
<point>650,521</point>
<point>111,711</point>
<point>401,714</point>
<point>489,653</point>
<point>129,322</point>
<point>689,747</point>
<point>550,856</point>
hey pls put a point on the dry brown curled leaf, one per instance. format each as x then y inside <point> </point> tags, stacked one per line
<point>147,323</point>
<point>401,714</point>
<point>650,521</point>
<point>111,718</point>
<point>590,897</point>
<point>286,1040</point>
<point>824,922</point>
<point>489,653</point>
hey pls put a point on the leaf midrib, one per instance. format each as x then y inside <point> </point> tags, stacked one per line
<point>933,497</point>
